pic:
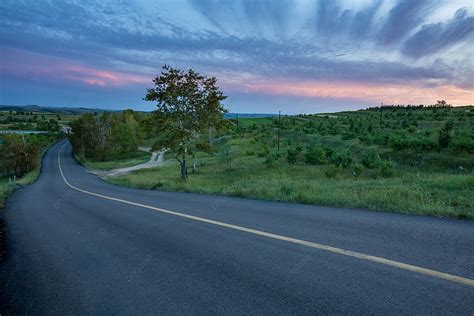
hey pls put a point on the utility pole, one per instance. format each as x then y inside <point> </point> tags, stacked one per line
<point>279,119</point>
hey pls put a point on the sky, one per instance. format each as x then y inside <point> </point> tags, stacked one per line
<point>297,56</point>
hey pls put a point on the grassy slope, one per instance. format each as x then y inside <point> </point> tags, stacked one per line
<point>426,182</point>
<point>420,193</point>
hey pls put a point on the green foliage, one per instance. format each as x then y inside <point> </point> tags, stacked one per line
<point>293,154</point>
<point>187,104</point>
<point>332,171</point>
<point>371,159</point>
<point>50,125</point>
<point>342,158</point>
<point>315,155</point>
<point>357,170</point>
<point>264,151</point>
<point>386,168</point>
<point>444,136</point>
<point>19,153</point>
<point>101,137</point>
<point>271,159</point>
<point>416,178</point>
<point>204,147</point>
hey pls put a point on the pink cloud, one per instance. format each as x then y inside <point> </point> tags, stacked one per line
<point>38,67</point>
<point>410,93</point>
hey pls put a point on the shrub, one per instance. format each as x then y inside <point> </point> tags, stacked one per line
<point>463,144</point>
<point>263,152</point>
<point>342,158</point>
<point>386,168</point>
<point>357,170</point>
<point>348,136</point>
<point>249,152</point>
<point>332,171</point>
<point>293,154</point>
<point>314,155</point>
<point>444,136</point>
<point>371,159</point>
<point>271,159</point>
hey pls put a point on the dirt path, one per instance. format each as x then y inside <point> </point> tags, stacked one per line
<point>156,160</point>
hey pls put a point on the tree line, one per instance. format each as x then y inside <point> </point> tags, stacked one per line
<point>100,137</point>
<point>19,154</point>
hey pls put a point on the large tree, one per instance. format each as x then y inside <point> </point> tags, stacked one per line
<point>188,104</point>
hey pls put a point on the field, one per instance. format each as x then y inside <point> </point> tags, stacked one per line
<point>408,160</point>
<point>122,161</point>
<point>30,120</point>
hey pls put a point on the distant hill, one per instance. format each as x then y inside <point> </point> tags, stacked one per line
<point>48,109</point>
<point>80,110</point>
<point>247,115</point>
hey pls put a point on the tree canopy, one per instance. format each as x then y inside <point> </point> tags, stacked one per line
<point>188,104</point>
<point>108,134</point>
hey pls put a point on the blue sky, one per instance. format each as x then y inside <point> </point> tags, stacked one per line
<point>290,55</point>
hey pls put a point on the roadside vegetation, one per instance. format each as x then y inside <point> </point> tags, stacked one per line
<point>20,159</point>
<point>409,159</point>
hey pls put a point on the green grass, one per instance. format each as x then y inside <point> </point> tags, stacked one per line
<point>125,160</point>
<point>422,179</point>
<point>427,194</point>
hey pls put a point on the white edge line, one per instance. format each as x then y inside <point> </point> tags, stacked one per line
<point>358,255</point>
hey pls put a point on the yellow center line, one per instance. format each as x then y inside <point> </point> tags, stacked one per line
<point>358,255</point>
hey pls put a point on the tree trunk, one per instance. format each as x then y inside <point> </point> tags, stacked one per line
<point>184,169</point>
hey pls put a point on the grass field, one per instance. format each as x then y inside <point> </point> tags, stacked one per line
<point>123,161</point>
<point>435,194</point>
<point>391,160</point>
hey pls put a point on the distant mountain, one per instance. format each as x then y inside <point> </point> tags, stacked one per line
<point>242,115</point>
<point>80,110</point>
<point>48,109</point>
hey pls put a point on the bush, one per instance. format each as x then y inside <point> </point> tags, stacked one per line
<point>463,144</point>
<point>444,136</point>
<point>371,159</point>
<point>348,136</point>
<point>342,158</point>
<point>357,170</point>
<point>293,154</point>
<point>263,152</point>
<point>386,168</point>
<point>271,159</point>
<point>249,152</point>
<point>315,155</point>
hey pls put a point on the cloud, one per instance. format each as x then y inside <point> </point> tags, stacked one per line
<point>114,44</point>
<point>402,19</point>
<point>438,36</point>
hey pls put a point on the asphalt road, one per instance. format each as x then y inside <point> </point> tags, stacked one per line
<point>71,252</point>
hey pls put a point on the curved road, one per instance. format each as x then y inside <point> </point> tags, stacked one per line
<point>78,245</point>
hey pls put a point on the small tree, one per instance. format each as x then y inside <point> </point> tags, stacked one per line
<point>188,104</point>
<point>314,155</point>
<point>293,154</point>
<point>444,136</point>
